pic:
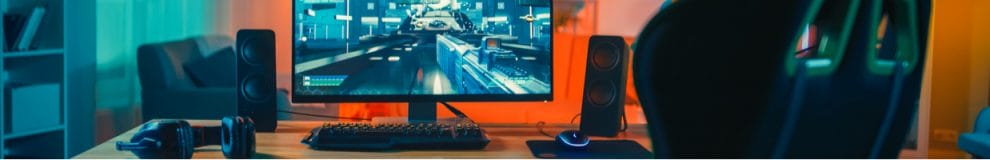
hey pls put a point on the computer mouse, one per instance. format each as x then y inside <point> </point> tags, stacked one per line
<point>573,139</point>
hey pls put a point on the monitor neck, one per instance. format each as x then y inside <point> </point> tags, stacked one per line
<point>422,112</point>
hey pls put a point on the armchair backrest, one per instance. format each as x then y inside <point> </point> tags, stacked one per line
<point>982,124</point>
<point>160,65</point>
<point>706,72</point>
<point>168,82</point>
<point>719,79</point>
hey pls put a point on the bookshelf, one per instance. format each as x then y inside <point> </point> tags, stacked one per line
<point>33,53</point>
<point>59,66</point>
<point>3,82</point>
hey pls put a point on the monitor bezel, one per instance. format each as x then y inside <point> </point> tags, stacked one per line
<point>297,98</point>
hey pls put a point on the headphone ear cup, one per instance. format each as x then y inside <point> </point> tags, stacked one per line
<point>185,144</point>
<point>249,138</point>
<point>237,137</point>
<point>249,131</point>
<point>165,139</point>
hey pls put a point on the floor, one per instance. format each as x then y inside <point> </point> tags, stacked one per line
<point>933,154</point>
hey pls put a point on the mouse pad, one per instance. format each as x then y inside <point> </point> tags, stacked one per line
<point>598,149</point>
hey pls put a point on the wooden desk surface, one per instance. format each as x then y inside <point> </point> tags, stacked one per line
<point>508,141</point>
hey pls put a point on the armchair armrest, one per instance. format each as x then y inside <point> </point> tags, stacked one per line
<point>199,103</point>
<point>978,142</point>
<point>982,124</point>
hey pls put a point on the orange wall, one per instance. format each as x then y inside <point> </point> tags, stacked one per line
<point>570,44</point>
<point>960,70</point>
<point>267,14</point>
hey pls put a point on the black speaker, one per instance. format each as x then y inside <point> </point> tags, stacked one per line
<point>256,77</point>
<point>604,86</point>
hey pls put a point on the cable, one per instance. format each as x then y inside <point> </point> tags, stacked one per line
<point>804,53</point>
<point>539,127</point>
<point>625,123</point>
<point>323,116</point>
<point>456,112</point>
<point>575,118</point>
<point>541,124</point>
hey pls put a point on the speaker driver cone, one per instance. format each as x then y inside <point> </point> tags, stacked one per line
<point>601,93</point>
<point>250,51</point>
<point>253,89</point>
<point>605,56</point>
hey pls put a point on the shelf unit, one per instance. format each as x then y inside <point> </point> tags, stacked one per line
<point>59,55</point>
<point>3,81</point>
<point>33,53</point>
<point>34,132</point>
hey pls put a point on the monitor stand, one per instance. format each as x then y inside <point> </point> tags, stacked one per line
<point>419,112</point>
<point>422,112</point>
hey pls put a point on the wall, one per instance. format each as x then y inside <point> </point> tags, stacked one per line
<point>960,58</point>
<point>122,26</point>
<point>266,14</point>
<point>960,68</point>
<point>980,61</point>
<point>570,44</point>
<point>610,22</point>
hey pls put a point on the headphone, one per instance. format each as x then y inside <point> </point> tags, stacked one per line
<point>175,139</point>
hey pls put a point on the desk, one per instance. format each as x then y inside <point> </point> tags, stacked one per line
<point>508,141</point>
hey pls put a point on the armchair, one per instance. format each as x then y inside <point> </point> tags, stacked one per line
<point>190,79</point>
<point>978,142</point>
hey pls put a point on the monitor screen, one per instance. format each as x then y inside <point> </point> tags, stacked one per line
<point>422,50</point>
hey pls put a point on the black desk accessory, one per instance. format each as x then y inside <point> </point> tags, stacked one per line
<point>256,77</point>
<point>460,133</point>
<point>604,87</point>
<point>597,149</point>
<point>176,139</point>
<point>572,139</point>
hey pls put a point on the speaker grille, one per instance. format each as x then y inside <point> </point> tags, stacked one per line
<point>605,56</point>
<point>254,89</point>
<point>249,52</point>
<point>601,93</point>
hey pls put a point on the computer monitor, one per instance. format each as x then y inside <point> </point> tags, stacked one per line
<point>422,51</point>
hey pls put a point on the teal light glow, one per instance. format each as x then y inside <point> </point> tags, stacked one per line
<point>124,25</point>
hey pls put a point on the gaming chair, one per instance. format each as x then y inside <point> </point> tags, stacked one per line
<point>726,79</point>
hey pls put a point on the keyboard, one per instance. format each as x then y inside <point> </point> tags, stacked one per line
<point>386,136</point>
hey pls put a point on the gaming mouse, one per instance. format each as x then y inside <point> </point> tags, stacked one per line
<point>573,139</point>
